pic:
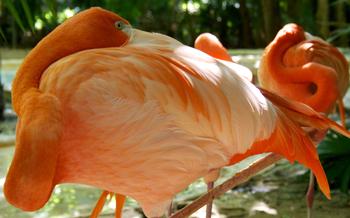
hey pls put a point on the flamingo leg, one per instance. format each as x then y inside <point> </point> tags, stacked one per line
<point>170,210</point>
<point>99,205</point>
<point>310,195</point>
<point>119,201</point>
<point>210,186</point>
<point>317,137</point>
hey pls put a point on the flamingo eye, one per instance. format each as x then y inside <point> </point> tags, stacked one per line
<point>119,25</point>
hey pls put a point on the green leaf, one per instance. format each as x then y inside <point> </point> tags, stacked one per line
<point>51,5</point>
<point>338,33</point>
<point>28,14</point>
<point>345,179</point>
<point>334,145</point>
<point>334,153</point>
<point>10,5</point>
<point>3,35</point>
<point>335,169</point>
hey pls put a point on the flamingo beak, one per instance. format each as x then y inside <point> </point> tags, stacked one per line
<point>129,31</point>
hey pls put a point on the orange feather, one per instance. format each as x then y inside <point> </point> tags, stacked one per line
<point>307,70</point>
<point>211,45</point>
<point>144,118</point>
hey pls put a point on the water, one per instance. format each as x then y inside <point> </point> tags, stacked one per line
<point>8,71</point>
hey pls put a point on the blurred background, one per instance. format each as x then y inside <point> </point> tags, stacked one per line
<point>238,23</point>
<point>245,27</point>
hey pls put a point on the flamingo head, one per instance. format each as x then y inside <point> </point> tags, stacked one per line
<point>89,29</point>
<point>304,68</point>
<point>210,44</point>
<point>92,28</point>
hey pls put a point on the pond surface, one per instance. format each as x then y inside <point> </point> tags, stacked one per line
<point>277,192</point>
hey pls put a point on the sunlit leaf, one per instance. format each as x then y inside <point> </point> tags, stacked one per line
<point>28,14</point>
<point>51,5</point>
<point>10,5</point>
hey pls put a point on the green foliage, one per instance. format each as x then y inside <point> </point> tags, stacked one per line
<point>12,8</point>
<point>334,153</point>
<point>2,35</point>
<point>238,23</point>
<point>338,33</point>
<point>28,14</point>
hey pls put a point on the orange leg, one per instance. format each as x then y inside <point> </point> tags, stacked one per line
<point>310,195</point>
<point>170,210</point>
<point>119,200</point>
<point>209,209</point>
<point>99,205</point>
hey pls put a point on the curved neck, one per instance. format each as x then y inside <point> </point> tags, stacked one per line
<point>93,28</point>
<point>311,83</point>
<point>285,39</point>
<point>29,73</point>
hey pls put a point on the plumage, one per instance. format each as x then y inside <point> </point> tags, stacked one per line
<point>210,44</point>
<point>196,124</point>
<point>145,119</point>
<point>305,68</point>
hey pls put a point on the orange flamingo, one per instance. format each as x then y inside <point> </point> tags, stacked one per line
<point>308,69</point>
<point>305,68</point>
<point>211,45</point>
<point>96,31</point>
<point>144,118</point>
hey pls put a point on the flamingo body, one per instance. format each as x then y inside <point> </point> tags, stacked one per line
<point>304,68</point>
<point>155,123</point>
<point>145,119</point>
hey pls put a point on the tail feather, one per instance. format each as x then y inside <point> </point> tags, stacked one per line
<point>303,114</point>
<point>290,140</point>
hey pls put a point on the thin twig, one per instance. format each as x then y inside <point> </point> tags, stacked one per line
<point>239,178</point>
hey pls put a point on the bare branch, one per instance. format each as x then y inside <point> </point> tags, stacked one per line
<point>239,178</point>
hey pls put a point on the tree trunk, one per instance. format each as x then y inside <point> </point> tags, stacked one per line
<point>258,28</point>
<point>246,28</point>
<point>272,19</point>
<point>341,23</point>
<point>293,11</point>
<point>322,17</point>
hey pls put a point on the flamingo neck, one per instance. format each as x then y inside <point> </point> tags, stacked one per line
<point>284,40</point>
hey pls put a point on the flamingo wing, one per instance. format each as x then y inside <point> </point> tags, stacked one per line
<point>147,119</point>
